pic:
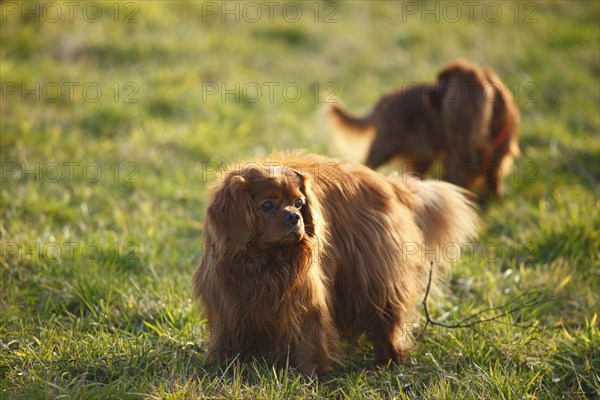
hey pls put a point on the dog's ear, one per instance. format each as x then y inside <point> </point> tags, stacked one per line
<point>310,214</point>
<point>441,87</point>
<point>433,95</point>
<point>445,76</point>
<point>230,216</point>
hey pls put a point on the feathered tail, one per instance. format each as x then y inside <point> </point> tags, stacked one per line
<point>448,217</point>
<point>351,135</point>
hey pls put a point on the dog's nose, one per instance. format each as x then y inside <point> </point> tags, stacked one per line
<point>291,218</point>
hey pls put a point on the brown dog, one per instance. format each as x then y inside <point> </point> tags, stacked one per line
<point>468,119</point>
<point>302,250</point>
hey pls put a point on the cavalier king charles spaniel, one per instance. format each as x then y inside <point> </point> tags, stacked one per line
<point>302,251</point>
<point>467,120</point>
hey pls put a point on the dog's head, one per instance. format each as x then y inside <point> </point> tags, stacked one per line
<point>461,81</point>
<point>263,205</point>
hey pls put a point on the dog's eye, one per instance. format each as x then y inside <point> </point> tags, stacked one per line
<point>267,205</point>
<point>298,203</point>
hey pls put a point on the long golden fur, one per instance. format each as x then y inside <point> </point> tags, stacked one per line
<point>302,251</point>
<point>468,119</point>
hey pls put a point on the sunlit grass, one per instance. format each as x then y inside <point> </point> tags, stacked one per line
<point>94,270</point>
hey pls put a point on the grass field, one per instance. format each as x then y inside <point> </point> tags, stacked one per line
<point>111,112</point>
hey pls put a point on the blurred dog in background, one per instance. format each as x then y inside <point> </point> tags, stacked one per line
<point>467,119</point>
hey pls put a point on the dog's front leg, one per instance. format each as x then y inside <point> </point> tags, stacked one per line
<point>318,345</point>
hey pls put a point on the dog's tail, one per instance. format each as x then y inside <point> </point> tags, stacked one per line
<point>349,122</point>
<point>351,135</point>
<point>446,213</point>
<point>448,217</point>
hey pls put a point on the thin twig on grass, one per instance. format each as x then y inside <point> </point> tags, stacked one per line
<point>469,323</point>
